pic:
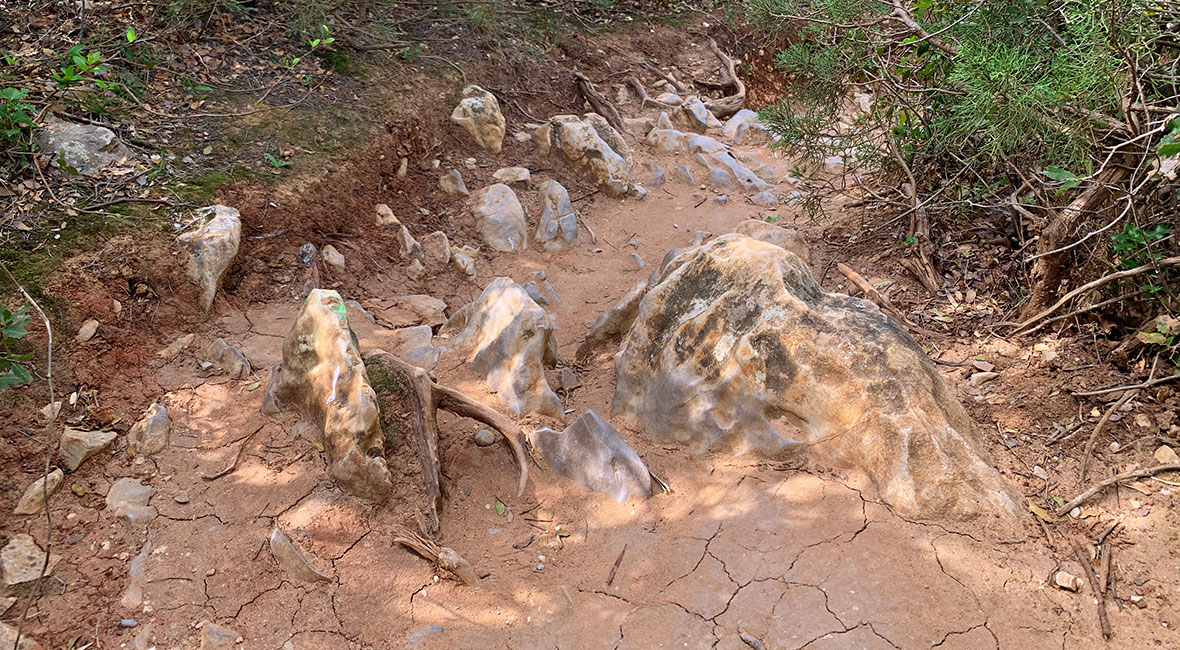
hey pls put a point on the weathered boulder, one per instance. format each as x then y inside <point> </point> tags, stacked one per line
<point>78,445</point>
<point>500,218</point>
<point>452,183</point>
<point>591,453</point>
<point>211,249</point>
<point>506,336</point>
<point>479,113</point>
<point>227,359</point>
<point>591,147</point>
<point>558,227</point>
<point>322,377</point>
<point>128,499</point>
<point>704,144</point>
<point>150,435</point>
<point>737,348</point>
<point>785,238</point>
<point>743,116</point>
<point>87,148</point>
<point>22,559</point>
<point>34,496</point>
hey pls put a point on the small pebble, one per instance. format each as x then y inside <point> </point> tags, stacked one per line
<point>635,257</point>
<point>539,568</point>
<point>485,437</point>
<point>181,497</point>
<point>980,378</point>
<point>128,622</point>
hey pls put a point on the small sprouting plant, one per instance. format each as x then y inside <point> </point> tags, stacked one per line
<point>77,66</point>
<point>13,327</point>
<point>275,162</point>
<point>1164,333</point>
<point>15,116</point>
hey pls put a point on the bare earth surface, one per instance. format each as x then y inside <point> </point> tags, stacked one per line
<point>792,557</point>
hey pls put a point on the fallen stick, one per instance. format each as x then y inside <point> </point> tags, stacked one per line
<point>887,306</point>
<point>444,556</point>
<point>1146,384</point>
<point>1084,559</point>
<point>614,569</point>
<point>1117,478</point>
<point>1098,429</point>
<point>237,457</point>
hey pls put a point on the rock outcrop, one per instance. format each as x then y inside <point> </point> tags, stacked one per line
<point>506,336</point>
<point>785,238</point>
<point>591,453</point>
<point>500,218</point>
<point>211,249</point>
<point>322,377</point>
<point>479,114</point>
<point>87,148</point>
<point>558,228</point>
<point>591,147</point>
<point>737,348</point>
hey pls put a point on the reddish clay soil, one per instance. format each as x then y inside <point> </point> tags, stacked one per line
<point>793,556</point>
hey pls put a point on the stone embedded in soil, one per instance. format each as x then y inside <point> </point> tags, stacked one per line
<point>410,248</point>
<point>743,116</point>
<point>508,337</point>
<point>704,144</point>
<point>667,141</point>
<point>291,560</point>
<point>719,179</point>
<point>452,183</point>
<point>8,639</point>
<point>558,227</point>
<point>479,114</point>
<point>22,559</point>
<point>692,116</point>
<point>595,150</point>
<point>87,331</point>
<point>436,248</point>
<point>981,378</point>
<point>34,496</point>
<point>746,178</point>
<point>613,323</point>
<point>323,378</point>
<point>78,445</point>
<point>500,218</point>
<point>149,435</point>
<point>485,438</point>
<point>750,134</point>
<point>591,453</point>
<point>655,174</point>
<point>128,500</point>
<point>136,579</point>
<point>684,175</point>
<point>215,637</point>
<point>638,126</point>
<point>227,359</point>
<point>510,175</point>
<point>87,148</point>
<point>787,239</point>
<point>463,259</point>
<point>765,198</point>
<point>737,348</point>
<point>333,257</point>
<point>415,270</point>
<point>407,311</point>
<point>1166,455</point>
<point>212,249</point>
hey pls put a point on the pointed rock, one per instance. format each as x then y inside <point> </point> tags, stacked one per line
<point>500,218</point>
<point>463,259</point>
<point>212,249</point>
<point>558,228</point>
<point>149,436</point>
<point>228,359</point>
<point>436,248</point>
<point>655,174</point>
<point>452,183</point>
<point>322,377</point>
<point>591,453</point>
<point>479,114</point>
<point>333,257</point>
<point>505,335</point>
<point>78,445</point>
<point>594,149</point>
<point>291,560</point>
<point>33,500</point>
<point>684,175</point>
<point>692,116</point>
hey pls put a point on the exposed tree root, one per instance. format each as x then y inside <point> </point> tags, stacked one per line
<point>425,397</point>
<point>721,108</point>
<point>599,103</point>
<point>446,557</point>
<point>644,98</point>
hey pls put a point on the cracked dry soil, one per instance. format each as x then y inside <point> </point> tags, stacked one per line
<point>742,552</point>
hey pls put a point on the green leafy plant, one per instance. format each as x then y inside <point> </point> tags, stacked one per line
<point>275,162</point>
<point>1163,333</point>
<point>15,117</point>
<point>1133,244</point>
<point>77,68</point>
<point>13,327</point>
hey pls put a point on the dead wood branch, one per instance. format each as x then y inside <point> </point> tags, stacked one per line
<point>444,556</point>
<point>727,106</point>
<point>424,398</point>
<point>599,103</point>
<point>676,85</point>
<point>1117,478</point>
<point>1084,559</point>
<point>233,464</point>
<point>1098,429</point>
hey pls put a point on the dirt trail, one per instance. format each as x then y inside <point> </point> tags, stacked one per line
<point>791,557</point>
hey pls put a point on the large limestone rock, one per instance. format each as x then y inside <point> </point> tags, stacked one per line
<point>506,336</point>
<point>87,148</point>
<point>150,435</point>
<point>737,348</point>
<point>500,218</point>
<point>591,147</point>
<point>785,238</point>
<point>558,228</point>
<point>211,249</point>
<point>322,377</point>
<point>78,445</point>
<point>592,454</point>
<point>479,114</point>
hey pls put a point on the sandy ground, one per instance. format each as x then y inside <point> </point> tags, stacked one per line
<point>789,557</point>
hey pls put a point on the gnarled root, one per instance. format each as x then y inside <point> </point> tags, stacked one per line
<point>444,556</point>
<point>424,397</point>
<point>727,106</point>
<point>599,103</point>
